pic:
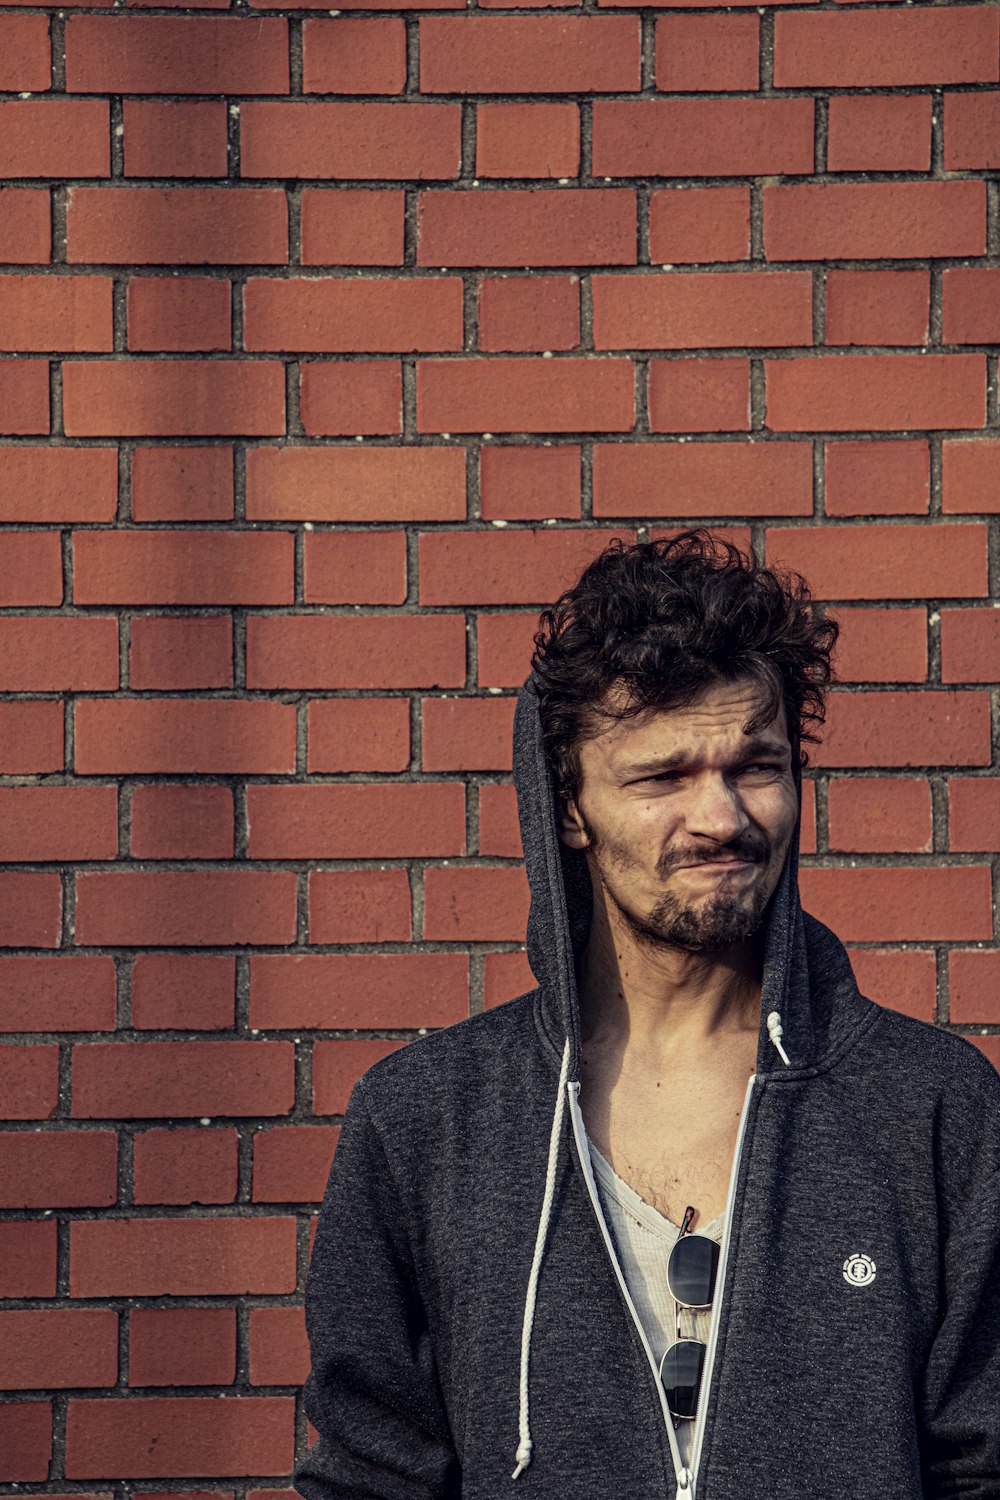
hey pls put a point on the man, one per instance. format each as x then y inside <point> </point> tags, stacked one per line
<point>693,1218</point>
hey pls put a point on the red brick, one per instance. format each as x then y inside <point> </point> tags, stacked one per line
<point>183,567</point>
<point>702,479</point>
<point>24,390</point>
<point>58,1169</point>
<point>699,395</point>
<point>698,53</point>
<point>180,1435</point>
<point>971,130</point>
<point>879,133</point>
<point>388,651</point>
<point>499,834</point>
<point>169,653</point>
<point>919,905</point>
<point>29,1090</point>
<point>886,47</point>
<point>475,905</point>
<point>56,994</point>
<point>185,1166</point>
<point>970,478</point>
<point>45,313</point>
<point>337,1066</point>
<point>346,315</point>
<point>209,1257</point>
<point>356,484</point>
<point>28,1257</point>
<point>182,822</point>
<point>59,1347</point>
<point>527,227</point>
<point>516,567</point>
<point>467,734</point>
<point>31,568</point>
<point>182,1346</point>
<point>699,224</point>
<point>356,55</point>
<point>702,137</point>
<point>59,823</point>
<point>970,639</point>
<point>25,224</point>
<point>336,992</point>
<point>279,1350</point>
<point>529,54</point>
<point>698,310</point>
<point>177,226</point>
<point>905,981</point>
<point>881,645</point>
<point>974,814</point>
<point>183,991</point>
<point>25,54</point>
<point>182,484</point>
<point>879,814</point>
<point>25,1439</point>
<point>352,226</point>
<point>527,140</point>
<point>167,139</point>
<point>971,298</point>
<point>359,734</point>
<point>525,395</point>
<point>359,906</point>
<point>974,985</point>
<point>174,397</point>
<point>505,647</point>
<point>41,654</point>
<point>372,5</point>
<point>360,141</point>
<point>905,729</point>
<point>176,55</point>
<point>873,220</point>
<point>877,307</point>
<point>291,1163</point>
<point>345,398</point>
<point>505,976</point>
<point>859,392</point>
<point>184,314</point>
<point>145,1080</point>
<point>529,313</point>
<point>355,567</point>
<point>58,484</point>
<point>807,831</point>
<point>377,821</point>
<point>175,735</point>
<point>54,138</point>
<point>885,562</point>
<point>31,737</point>
<point>146,908</point>
<point>877,479</point>
<point>30,909</point>
<point>529,483</point>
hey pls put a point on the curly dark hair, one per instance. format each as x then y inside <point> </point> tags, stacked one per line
<point>665,620</point>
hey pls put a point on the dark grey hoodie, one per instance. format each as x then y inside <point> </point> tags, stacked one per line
<point>464,1292</point>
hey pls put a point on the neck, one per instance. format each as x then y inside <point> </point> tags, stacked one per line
<point>636,993</point>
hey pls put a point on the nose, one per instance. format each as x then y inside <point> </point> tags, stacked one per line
<point>715,810</point>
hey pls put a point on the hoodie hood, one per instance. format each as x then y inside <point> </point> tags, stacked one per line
<point>795,944</point>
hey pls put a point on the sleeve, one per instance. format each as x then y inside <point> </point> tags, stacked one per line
<point>373,1393</point>
<point>961,1387</point>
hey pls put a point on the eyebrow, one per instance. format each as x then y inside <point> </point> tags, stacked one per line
<point>750,751</point>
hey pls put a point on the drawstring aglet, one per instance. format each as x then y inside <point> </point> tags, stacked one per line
<point>775,1033</point>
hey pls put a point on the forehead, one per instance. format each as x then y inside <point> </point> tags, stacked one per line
<point>711,728</point>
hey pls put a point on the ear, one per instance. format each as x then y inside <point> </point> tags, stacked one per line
<point>570,825</point>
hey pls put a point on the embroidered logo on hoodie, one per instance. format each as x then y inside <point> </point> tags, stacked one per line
<point>859,1270</point>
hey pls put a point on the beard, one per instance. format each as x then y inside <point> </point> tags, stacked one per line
<point>705,926</point>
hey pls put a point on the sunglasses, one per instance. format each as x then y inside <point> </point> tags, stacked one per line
<point>691,1273</point>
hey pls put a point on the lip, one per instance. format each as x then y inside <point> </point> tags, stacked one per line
<point>720,864</point>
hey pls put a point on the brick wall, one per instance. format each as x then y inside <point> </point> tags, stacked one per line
<point>331,346</point>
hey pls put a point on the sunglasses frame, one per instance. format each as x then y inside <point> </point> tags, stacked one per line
<point>681,1303</point>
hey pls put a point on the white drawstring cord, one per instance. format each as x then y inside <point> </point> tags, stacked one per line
<point>523,1454</point>
<point>775,1033</point>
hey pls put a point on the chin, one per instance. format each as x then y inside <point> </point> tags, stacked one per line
<point>705,928</point>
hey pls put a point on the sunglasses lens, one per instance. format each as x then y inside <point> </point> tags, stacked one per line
<point>691,1270</point>
<point>680,1372</point>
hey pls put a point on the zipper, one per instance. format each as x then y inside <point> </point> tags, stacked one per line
<point>685,1477</point>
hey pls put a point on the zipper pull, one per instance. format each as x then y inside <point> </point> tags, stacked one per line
<point>684,1482</point>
